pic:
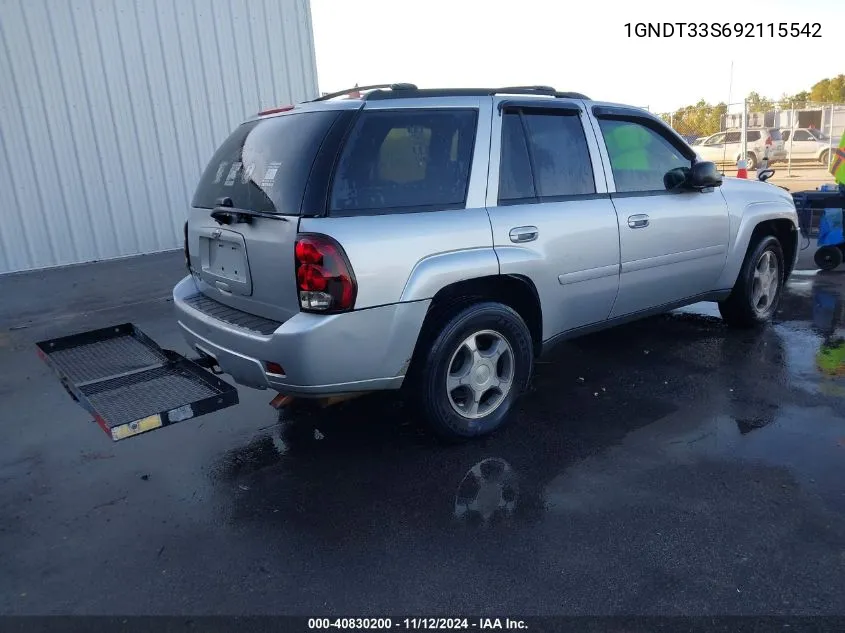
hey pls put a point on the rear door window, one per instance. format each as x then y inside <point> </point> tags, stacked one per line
<point>405,160</point>
<point>753,136</point>
<point>264,164</point>
<point>544,157</point>
<point>732,137</point>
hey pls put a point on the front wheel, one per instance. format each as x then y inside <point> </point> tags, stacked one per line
<point>756,293</point>
<point>474,371</point>
<point>824,158</point>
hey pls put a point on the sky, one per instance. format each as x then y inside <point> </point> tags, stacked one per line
<point>581,46</point>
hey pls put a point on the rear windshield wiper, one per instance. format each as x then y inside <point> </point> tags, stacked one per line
<point>225,213</point>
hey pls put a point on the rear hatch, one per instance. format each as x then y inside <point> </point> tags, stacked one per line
<point>245,213</point>
<point>777,141</point>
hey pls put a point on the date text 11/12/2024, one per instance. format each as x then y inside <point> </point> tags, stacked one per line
<point>724,29</point>
<point>417,623</point>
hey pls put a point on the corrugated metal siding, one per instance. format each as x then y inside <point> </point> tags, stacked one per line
<point>110,109</point>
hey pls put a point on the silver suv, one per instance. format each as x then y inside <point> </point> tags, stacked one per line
<point>441,240</point>
<point>807,144</point>
<point>726,147</point>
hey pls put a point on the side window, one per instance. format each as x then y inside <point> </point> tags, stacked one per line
<point>732,137</point>
<point>544,156</point>
<point>639,156</point>
<point>716,139</point>
<point>802,135</point>
<point>516,183</point>
<point>405,160</point>
<point>785,135</point>
<point>753,136</point>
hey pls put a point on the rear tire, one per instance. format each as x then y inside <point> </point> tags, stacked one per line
<point>828,257</point>
<point>751,161</point>
<point>474,371</point>
<point>756,293</point>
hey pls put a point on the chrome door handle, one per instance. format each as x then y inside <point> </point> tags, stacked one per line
<point>639,221</point>
<point>524,234</point>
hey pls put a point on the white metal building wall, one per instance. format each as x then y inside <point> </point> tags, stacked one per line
<point>110,109</point>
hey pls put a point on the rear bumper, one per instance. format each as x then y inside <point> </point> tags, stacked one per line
<point>364,350</point>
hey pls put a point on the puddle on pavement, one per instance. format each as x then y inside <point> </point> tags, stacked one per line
<point>367,468</point>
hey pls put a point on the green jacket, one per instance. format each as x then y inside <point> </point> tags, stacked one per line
<point>837,164</point>
<point>626,145</point>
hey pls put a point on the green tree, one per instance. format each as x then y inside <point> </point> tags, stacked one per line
<point>798,100</point>
<point>756,103</point>
<point>701,119</point>
<point>829,90</point>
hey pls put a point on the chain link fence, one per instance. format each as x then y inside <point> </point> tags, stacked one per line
<point>803,134</point>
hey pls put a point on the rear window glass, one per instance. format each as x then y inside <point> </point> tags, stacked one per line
<point>405,160</point>
<point>264,165</point>
<point>776,135</point>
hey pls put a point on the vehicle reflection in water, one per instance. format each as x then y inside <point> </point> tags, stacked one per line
<point>488,492</point>
<point>367,469</point>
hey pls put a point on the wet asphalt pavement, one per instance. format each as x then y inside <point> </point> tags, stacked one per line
<point>670,466</point>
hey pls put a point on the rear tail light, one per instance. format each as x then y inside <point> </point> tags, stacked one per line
<point>324,278</point>
<point>187,250</point>
<point>769,140</point>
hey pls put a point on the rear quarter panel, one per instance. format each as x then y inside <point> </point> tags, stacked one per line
<point>423,251</point>
<point>751,202</point>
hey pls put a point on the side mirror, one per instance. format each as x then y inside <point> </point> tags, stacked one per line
<point>703,175</point>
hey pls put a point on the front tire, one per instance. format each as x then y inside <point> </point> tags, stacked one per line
<point>474,371</point>
<point>756,293</point>
<point>824,158</point>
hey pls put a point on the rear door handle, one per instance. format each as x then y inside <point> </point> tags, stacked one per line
<point>524,234</point>
<point>639,221</point>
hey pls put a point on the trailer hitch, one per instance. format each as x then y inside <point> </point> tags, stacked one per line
<point>207,361</point>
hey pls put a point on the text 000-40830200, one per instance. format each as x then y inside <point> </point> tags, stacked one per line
<point>415,623</point>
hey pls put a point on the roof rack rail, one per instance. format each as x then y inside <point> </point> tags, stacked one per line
<point>409,91</point>
<point>340,93</point>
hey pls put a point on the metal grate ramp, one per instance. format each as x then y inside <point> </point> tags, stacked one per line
<point>129,384</point>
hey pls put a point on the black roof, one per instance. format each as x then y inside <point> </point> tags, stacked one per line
<point>410,91</point>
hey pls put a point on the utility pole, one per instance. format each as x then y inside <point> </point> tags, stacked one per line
<point>791,134</point>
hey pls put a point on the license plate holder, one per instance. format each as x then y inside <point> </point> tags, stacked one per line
<point>224,261</point>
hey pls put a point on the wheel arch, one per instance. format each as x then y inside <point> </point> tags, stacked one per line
<point>515,291</point>
<point>786,233</point>
<point>759,219</point>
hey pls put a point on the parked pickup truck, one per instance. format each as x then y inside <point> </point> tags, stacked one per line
<point>807,145</point>
<point>439,240</point>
